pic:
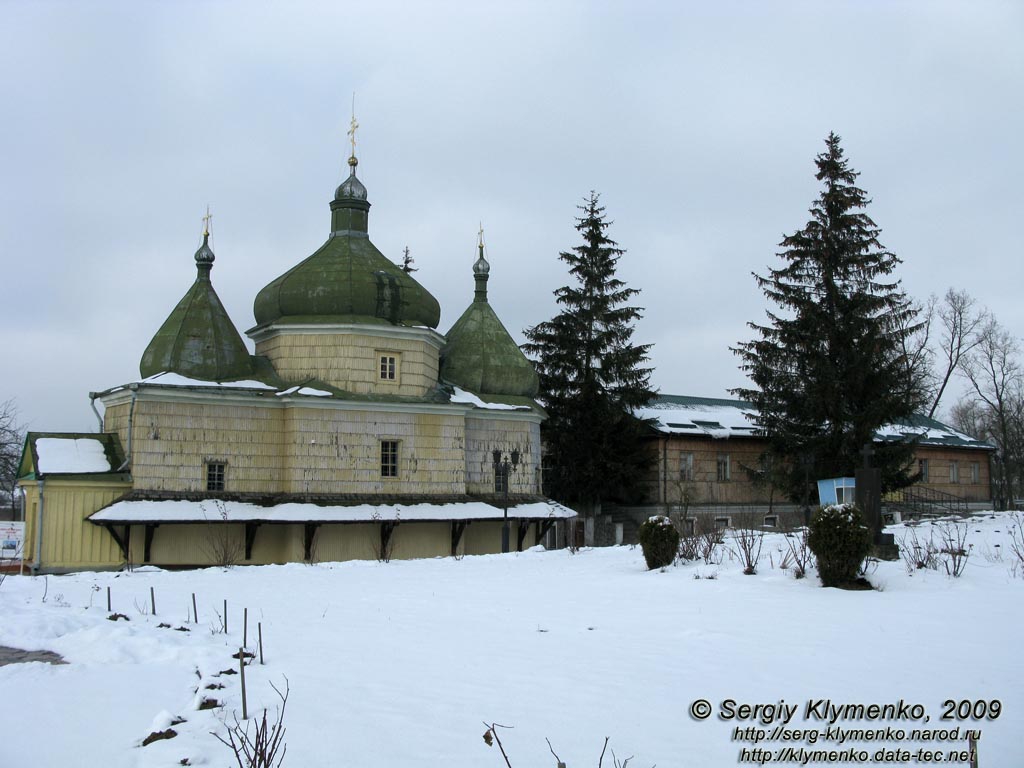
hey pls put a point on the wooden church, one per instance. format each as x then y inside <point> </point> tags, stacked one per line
<point>356,430</point>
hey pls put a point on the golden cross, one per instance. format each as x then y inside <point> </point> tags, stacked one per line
<point>481,235</point>
<point>206,221</point>
<point>354,125</point>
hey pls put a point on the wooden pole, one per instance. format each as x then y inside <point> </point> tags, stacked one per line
<point>226,617</point>
<point>259,629</point>
<point>241,671</point>
<point>152,600</point>
<point>245,627</point>
<point>108,600</point>
<point>195,613</point>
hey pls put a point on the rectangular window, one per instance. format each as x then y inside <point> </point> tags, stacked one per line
<point>389,458</point>
<point>388,368</point>
<point>922,467</point>
<point>215,471</point>
<point>975,472</point>
<point>500,480</point>
<point>771,521</point>
<point>954,471</point>
<point>724,473</point>
<point>689,526</point>
<point>686,467</point>
<point>721,523</point>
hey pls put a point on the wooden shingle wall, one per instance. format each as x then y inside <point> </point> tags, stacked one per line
<point>484,435</point>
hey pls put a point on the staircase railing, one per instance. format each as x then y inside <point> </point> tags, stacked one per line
<point>917,501</point>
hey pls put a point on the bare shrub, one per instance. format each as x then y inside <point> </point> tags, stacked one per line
<point>953,547</point>
<point>746,544</point>
<point>918,553</point>
<point>1016,531</point>
<point>265,748</point>
<point>491,738</point>
<point>800,557</point>
<point>689,547</point>
<point>219,545</point>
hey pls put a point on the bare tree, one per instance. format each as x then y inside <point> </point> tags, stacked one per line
<point>963,323</point>
<point>12,437</point>
<point>994,371</point>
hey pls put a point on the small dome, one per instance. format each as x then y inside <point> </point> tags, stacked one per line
<point>351,188</point>
<point>481,267</point>
<point>198,339</point>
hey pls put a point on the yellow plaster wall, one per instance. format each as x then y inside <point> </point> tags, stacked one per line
<point>350,361</point>
<point>68,540</point>
<point>483,436</point>
<point>173,440</point>
<point>338,451</point>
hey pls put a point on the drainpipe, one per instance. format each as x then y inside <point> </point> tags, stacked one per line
<point>92,402</point>
<point>664,473</point>
<point>131,420</point>
<point>38,561</point>
<point>24,516</point>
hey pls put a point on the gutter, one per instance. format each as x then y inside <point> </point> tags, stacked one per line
<point>131,421</point>
<point>92,403</point>
<point>38,560</point>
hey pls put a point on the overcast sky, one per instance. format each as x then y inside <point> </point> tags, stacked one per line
<point>698,124</point>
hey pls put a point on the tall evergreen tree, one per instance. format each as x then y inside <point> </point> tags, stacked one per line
<point>592,376</point>
<point>827,370</point>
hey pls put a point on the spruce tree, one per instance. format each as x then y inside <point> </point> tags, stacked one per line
<point>827,370</point>
<point>592,376</point>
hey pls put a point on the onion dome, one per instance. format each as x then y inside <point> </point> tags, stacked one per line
<point>480,355</point>
<point>198,339</point>
<point>347,280</point>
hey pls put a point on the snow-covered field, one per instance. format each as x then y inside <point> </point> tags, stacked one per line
<point>401,663</point>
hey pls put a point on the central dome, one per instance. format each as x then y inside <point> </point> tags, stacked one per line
<point>347,280</point>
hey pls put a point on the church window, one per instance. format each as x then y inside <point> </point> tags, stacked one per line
<point>686,467</point>
<point>215,471</point>
<point>389,458</point>
<point>500,480</point>
<point>724,473</point>
<point>388,368</point>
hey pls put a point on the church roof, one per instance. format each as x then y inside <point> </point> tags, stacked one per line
<point>480,355</point>
<point>347,280</point>
<point>198,339</point>
<point>70,453</point>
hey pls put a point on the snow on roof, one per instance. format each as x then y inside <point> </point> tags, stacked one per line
<point>462,396</point>
<point>71,455</point>
<point>305,391</point>
<point>176,380</point>
<point>212,511</point>
<point>714,420</point>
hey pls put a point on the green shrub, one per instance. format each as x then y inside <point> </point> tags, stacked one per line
<point>840,541</point>
<point>659,540</point>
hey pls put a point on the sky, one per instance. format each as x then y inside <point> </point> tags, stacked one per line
<point>697,123</point>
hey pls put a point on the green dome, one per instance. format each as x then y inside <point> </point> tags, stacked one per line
<point>348,279</point>
<point>198,339</point>
<point>480,355</point>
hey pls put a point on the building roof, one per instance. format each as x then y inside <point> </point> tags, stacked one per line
<point>347,280</point>
<point>722,418</point>
<point>479,354</point>
<point>219,511</point>
<point>198,338</point>
<point>70,453</point>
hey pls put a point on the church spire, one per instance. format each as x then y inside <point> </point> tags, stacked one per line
<point>481,270</point>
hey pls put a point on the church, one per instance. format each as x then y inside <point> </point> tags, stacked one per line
<point>355,431</point>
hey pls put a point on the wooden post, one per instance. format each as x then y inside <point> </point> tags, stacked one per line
<point>152,600</point>
<point>108,600</point>
<point>245,627</point>
<point>226,619</point>
<point>241,671</point>
<point>195,613</point>
<point>259,629</point>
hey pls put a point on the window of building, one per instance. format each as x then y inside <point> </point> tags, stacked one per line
<point>389,458</point>
<point>975,472</point>
<point>922,467</point>
<point>686,467</point>
<point>723,522</point>
<point>954,471</point>
<point>771,521</point>
<point>500,480</point>
<point>388,367</point>
<point>215,471</point>
<point>724,473</point>
<point>689,526</point>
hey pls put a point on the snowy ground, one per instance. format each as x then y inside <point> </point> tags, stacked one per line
<point>400,664</point>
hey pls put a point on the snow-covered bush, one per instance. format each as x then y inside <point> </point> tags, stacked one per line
<point>840,541</point>
<point>659,540</point>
